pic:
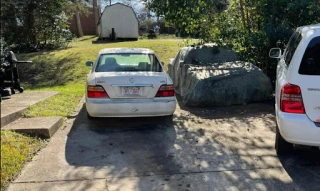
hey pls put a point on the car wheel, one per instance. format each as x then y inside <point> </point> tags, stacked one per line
<point>282,146</point>
<point>21,89</point>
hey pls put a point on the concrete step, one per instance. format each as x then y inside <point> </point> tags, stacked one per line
<point>11,114</point>
<point>44,127</point>
<point>13,108</point>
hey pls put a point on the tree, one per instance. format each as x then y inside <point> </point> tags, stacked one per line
<point>34,23</point>
<point>145,25</point>
<point>108,2</point>
<point>77,8</point>
<point>253,27</point>
<point>189,16</point>
<point>96,15</point>
<point>250,27</point>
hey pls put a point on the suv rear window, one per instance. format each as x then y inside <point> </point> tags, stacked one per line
<point>292,46</point>
<point>310,64</point>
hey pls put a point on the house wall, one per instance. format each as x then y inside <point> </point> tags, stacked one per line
<point>120,17</point>
<point>87,23</point>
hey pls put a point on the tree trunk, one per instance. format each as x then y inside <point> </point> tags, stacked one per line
<point>78,23</point>
<point>30,24</point>
<point>242,14</point>
<point>96,16</point>
<point>248,21</point>
<point>110,2</point>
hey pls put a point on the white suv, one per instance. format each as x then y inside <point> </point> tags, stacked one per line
<point>298,90</point>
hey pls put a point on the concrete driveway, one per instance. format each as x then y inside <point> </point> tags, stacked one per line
<point>200,149</point>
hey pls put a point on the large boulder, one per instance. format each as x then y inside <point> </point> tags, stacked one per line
<point>211,76</point>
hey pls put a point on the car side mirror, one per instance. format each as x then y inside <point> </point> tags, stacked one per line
<point>89,63</point>
<point>275,53</point>
<point>162,63</point>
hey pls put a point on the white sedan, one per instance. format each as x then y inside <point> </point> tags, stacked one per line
<point>128,82</point>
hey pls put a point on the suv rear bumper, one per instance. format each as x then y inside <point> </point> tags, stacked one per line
<point>298,129</point>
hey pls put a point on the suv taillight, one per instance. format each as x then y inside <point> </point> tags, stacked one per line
<point>291,99</point>
<point>165,91</point>
<point>96,92</point>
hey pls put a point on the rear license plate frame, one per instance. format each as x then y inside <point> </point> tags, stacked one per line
<point>131,91</point>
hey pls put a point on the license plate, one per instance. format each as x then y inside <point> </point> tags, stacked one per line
<point>131,90</point>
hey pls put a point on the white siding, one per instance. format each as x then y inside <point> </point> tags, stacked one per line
<point>122,19</point>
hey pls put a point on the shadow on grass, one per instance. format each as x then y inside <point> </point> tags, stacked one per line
<point>47,70</point>
<point>108,41</point>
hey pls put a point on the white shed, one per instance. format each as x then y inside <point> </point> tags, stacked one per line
<point>122,19</point>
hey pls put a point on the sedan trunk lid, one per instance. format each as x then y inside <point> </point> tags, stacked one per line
<point>131,85</point>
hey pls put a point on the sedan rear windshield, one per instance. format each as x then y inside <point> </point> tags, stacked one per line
<point>128,62</point>
<point>310,64</point>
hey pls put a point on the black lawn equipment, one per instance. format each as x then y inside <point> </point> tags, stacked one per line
<point>9,77</point>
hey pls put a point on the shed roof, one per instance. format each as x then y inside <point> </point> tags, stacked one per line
<point>108,6</point>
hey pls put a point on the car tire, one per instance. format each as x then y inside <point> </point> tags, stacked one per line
<point>168,118</point>
<point>21,89</point>
<point>281,145</point>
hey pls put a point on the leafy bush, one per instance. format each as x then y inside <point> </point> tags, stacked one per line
<point>253,27</point>
<point>3,46</point>
<point>32,25</point>
<point>250,27</point>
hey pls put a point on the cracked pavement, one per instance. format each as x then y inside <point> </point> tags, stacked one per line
<point>227,148</point>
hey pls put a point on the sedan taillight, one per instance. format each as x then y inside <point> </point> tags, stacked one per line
<point>96,92</point>
<point>291,99</point>
<point>165,91</point>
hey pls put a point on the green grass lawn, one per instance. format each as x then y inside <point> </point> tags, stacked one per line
<point>63,71</point>
<point>16,150</point>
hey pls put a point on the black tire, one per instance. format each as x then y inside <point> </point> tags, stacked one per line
<point>281,145</point>
<point>167,119</point>
<point>170,117</point>
<point>13,91</point>
<point>21,89</point>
